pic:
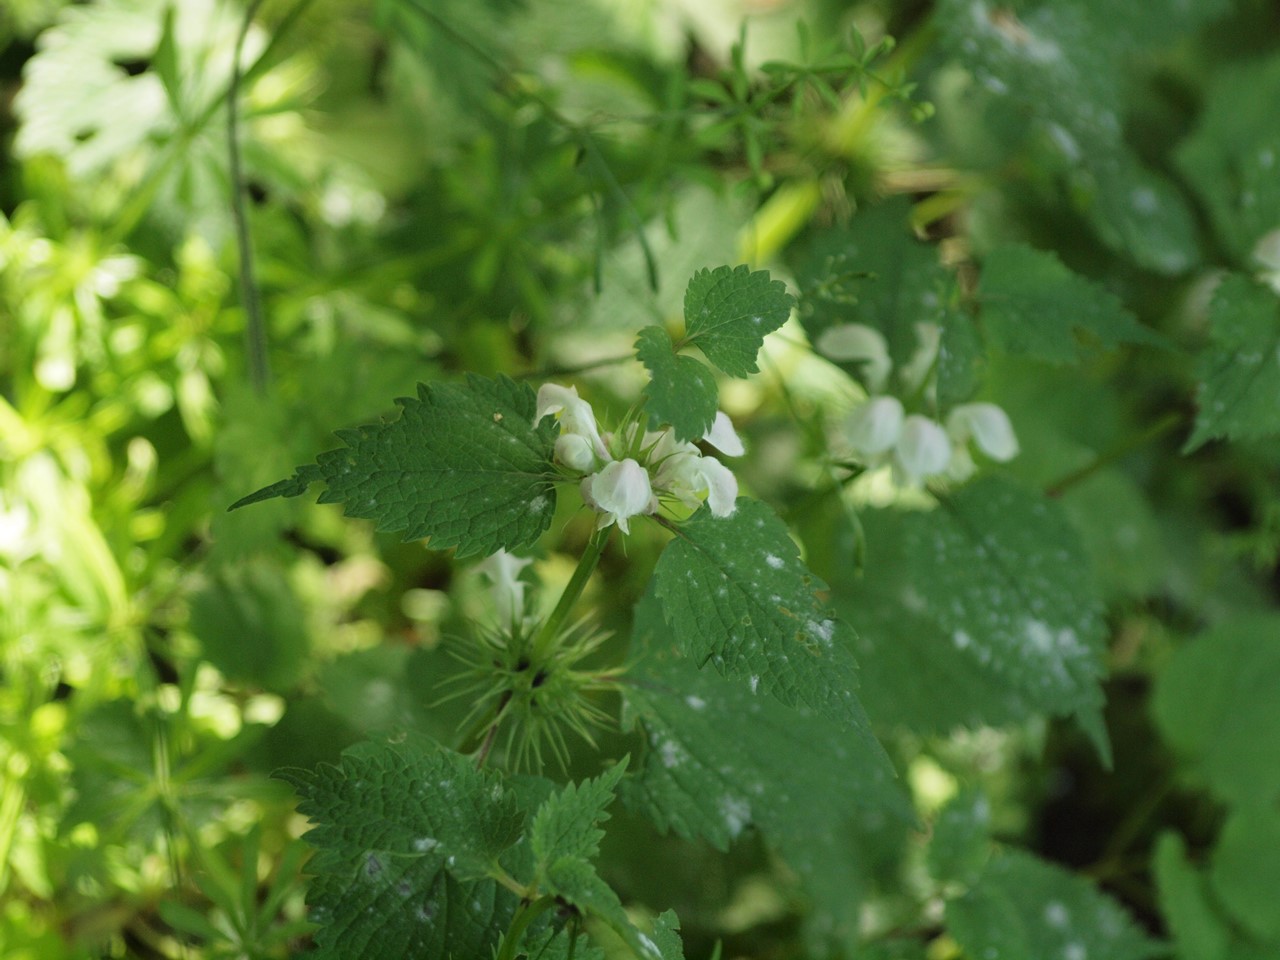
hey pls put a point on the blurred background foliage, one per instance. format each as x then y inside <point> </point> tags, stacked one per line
<point>517,186</point>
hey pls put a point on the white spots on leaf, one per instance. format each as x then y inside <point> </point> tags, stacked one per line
<point>695,703</point>
<point>961,639</point>
<point>773,560</point>
<point>538,504</point>
<point>1074,951</point>
<point>671,754</point>
<point>735,812</point>
<point>1055,914</point>
<point>755,682</point>
<point>425,844</point>
<point>1143,200</point>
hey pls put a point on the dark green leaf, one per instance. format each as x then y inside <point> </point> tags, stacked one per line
<point>1239,393</point>
<point>1023,908</point>
<point>682,391</point>
<point>728,311</point>
<point>961,838</point>
<point>1216,705</point>
<point>735,593</point>
<point>1198,931</point>
<point>463,465</point>
<point>1245,872</point>
<point>1032,304</point>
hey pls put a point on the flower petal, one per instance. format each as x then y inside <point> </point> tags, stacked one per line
<point>619,491</point>
<point>723,437</point>
<point>988,426</point>
<point>875,426</point>
<point>858,343</point>
<point>924,450</point>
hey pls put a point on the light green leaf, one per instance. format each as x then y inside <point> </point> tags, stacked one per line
<point>721,760</point>
<point>682,391</point>
<point>1199,933</point>
<point>735,593</point>
<point>1245,871</point>
<point>1032,304</point>
<point>1001,573</point>
<point>402,832</point>
<point>728,311</point>
<point>1239,393</point>
<point>463,465</point>
<point>1023,908</point>
<point>1216,705</point>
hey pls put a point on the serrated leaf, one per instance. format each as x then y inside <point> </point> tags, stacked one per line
<point>463,465</point>
<point>1245,870</point>
<point>403,831</point>
<point>565,825</point>
<point>875,272</point>
<point>1023,908</point>
<point>1000,571</point>
<point>1231,158</point>
<point>729,310</point>
<point>1032,304</point>
<point>1199,933</point>
<point>411,800</point>
<point>721,760</point>
<point>1215,704</point>
<point>1239,394</point>
<point>735,594</point>
<point>682,390</point>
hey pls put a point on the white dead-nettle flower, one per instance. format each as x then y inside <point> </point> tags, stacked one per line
<point>1266,254</point>
<point>860,344</point>
<point>503,570</point>
<point>923,450</point>
<point>875,427</point>
<point>915,370</point>
<point>618,492</point>
<point>723,437</point>
<point>579,446</point>
<point>691,477</point>
<point>988,427</point>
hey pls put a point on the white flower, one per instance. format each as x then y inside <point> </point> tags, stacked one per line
<point>988,426</point>
<point>579,445</point>
<point>1266,255</point>
<point>929,339</point>
<point>923,450</point>
<point>690,477</point>
<point>858,343</point>
<point>620,490</point>
<point>723,437</point>
<point>503,570</point>
<point>875,427</point>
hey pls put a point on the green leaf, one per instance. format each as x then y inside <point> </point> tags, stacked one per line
<point>1239,393</point>
<point>1230,160</point>
<point>565,839</point>
<point>1245,871</point>
<point>1199,933</point>
<point>875,272</point>
<point>1023,908</point>
<point>1032,304</point>
<point>565,825</point>
<point>960,842</point>
<point>399,830</point>
<point>251,626</point>
<point>735,593</point>
<point>1215,704</point>
<point>728,311</point>
<point>682,391</point>
<point>463,465</point>
<point>1001,572</point>
<point>961,359</point>
<point>721,760</point>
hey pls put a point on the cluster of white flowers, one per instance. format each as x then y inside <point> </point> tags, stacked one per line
<point>620,487</point>
<point>919,448</point>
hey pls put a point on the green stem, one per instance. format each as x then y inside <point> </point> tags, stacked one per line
<point>546,638</point>
<point>527,913</point>
<point>1109,456</point>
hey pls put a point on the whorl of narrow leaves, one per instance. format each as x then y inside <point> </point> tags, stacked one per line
<point>1022,908</point>
<point>404,834</point>
<point>728,311</point>
<point>682,391</point>
<point>1240,373</point>
<point>463,465</point>
<point>734,592</point>
<point>1033,304</point>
